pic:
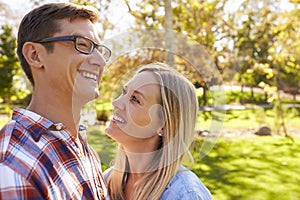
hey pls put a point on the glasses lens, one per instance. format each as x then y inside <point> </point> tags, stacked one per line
<point>104,52</point>
<point>84,45</point>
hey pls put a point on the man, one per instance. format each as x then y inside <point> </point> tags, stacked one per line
<point>43,150</point>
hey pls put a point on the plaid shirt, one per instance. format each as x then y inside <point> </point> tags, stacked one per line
<point>40,160</point>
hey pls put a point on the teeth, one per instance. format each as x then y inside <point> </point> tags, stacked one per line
<point>118,119</point>
<point>89,75</point>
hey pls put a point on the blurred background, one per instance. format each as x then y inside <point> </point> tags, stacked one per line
<point>253,46</point>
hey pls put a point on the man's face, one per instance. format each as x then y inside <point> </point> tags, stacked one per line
<point>69,72</point>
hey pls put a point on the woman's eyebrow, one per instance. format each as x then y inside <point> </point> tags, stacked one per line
<point>134,91</point>
<point>139,93</point>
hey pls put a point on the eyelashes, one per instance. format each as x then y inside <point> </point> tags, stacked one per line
<point>133,98</point>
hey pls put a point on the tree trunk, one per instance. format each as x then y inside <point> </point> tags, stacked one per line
<point>279,104</point>
<point>266,97</point>
<point>241,97</point>
<point>170,46</point>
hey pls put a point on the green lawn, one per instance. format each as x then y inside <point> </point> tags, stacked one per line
<point>259,168</point>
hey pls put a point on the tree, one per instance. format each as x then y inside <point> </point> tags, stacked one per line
<point>199,21</point>
<point>254,37</point>
<point>286,59</point>
<point>169,32</point>
<point>9,65</point>
<point>285,52</point>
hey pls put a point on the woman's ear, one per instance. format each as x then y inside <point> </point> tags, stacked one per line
<point>160,132</point>
<point>32,53</point>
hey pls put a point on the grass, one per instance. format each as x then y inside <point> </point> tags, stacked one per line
<point>103,144</point>
<point>260,168</point>
<point>266,168</point>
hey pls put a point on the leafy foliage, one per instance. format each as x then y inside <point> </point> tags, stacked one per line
<point>10,86</point>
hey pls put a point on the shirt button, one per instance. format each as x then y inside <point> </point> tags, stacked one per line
<point>58,127</point>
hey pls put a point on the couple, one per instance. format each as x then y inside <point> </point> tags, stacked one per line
<point>43,149</point>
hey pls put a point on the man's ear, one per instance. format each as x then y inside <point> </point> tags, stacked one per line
<point>32,53</point>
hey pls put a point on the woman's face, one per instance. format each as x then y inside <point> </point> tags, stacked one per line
<point>136,121</point>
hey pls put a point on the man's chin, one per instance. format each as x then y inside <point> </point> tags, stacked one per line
<point>83,98</point>
<point>92,97</point>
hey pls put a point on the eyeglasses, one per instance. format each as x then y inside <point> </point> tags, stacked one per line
<point>82,44</point>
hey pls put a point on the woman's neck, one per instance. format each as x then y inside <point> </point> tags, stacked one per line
<point>140,163</point>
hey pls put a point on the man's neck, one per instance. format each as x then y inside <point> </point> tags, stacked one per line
<point>57,110</point>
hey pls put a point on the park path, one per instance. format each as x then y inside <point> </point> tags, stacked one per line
<point>257,90</point>
<point>247,107</point>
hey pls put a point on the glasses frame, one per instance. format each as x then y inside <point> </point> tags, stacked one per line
<point>74,39</point>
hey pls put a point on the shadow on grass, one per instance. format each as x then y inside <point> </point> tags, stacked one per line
<point>254,168</point>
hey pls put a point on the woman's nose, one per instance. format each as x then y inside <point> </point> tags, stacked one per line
<point>119,102</point>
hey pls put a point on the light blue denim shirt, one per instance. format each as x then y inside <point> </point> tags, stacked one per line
<point>185,185</point>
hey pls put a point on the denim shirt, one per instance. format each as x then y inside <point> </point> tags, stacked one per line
<point>185,185</point>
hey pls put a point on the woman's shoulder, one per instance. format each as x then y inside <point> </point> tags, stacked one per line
<point>186,185</point>
<point>106,173</point>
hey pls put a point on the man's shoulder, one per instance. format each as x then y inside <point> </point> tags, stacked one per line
<point>18,143</point>
<point>13,156</point>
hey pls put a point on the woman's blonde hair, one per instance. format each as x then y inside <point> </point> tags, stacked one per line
<point>180,106</point>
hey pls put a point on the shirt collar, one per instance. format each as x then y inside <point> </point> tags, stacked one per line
<point>35,124</point>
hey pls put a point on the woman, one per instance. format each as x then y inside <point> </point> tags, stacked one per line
<point>153,122</point>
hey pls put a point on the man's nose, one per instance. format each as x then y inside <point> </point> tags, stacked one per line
<point>97,58</point>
